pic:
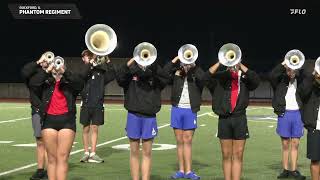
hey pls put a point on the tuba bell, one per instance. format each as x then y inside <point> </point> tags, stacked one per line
<point>58,62</point>
<point>145,54</point>
<point>188,54</point>
<point>317,65</point>
<point>294,59</point>
<point>229,54</point>
<point>101,40</point>
<point>48,56</point>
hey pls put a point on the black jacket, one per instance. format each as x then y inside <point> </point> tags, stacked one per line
<point>142,89</point>
<point>280,81</point>
<point>310,95</point>
<point>95,80</point>
<point>27,73</point>
<point>219,85</point>
<point>71,85</point>
<point>195,85</point>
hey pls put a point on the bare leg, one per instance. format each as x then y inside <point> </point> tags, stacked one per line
<point>285,153</point>
<point>179,138</point>
<point>294,153</point>
<point>50,139</point>
<point>41,153</point>
<point>315,170</point>
<point>226,149</point>
<point>65,141</point>
<point>146,159</point>
<point>85,138</point>
<point>237,153</point>
<point>134,158</point>
<point>187,149</point>
<point>94,137</point>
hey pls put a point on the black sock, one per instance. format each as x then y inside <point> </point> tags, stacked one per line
<point>40,170</point>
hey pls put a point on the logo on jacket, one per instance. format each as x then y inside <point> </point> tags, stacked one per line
<point>135,78</point>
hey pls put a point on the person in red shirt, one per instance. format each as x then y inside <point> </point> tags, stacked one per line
<point>230,97</point>
<point>59,88</point>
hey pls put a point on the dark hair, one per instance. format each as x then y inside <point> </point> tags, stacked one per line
<point>86,52</point>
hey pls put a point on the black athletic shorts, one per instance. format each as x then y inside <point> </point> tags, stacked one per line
<point>313,145</point>
<point>233,127</point>
<point>58,122</point>
<point>92,115</point>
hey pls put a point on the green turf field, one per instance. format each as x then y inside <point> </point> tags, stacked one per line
<point>262,155</point>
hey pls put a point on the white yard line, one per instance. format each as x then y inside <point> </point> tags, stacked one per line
<point>14,120</point>
<point>255,108</point>
<point>81,150</point>
<point>20,119</point>
<point>22,107</point>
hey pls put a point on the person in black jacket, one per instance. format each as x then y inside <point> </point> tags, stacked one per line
<point>187,86</point>
<point>287,105</point>
<point>142,90</point>
<point>230,98</point>
<point>60,88</point>
<point>310,95</point>
<point>92,108</point>
<point>28,71</point>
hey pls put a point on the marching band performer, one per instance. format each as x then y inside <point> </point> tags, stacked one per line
<point>310,95</point>
<point>60,88</point>
<point>142,88</point>
<point>230,98</point>
<point>187,86</point>
<point>28,71</point>
<point>92,108</point>
<point>287,104</point>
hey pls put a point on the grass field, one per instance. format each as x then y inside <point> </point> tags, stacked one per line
<point>262,155</point>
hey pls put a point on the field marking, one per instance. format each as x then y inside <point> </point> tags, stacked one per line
<point>5,142</point>
<point>81,150</point>
<point>160,147</point>
<point>25,145</point>
<point>20,119</point>
<point>14,120</point>
<point>255,108</point>
<point>20,107</point>
<point>272,120</point>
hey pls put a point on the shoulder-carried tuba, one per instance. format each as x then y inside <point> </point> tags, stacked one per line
<point>188,54</point>
<point>229,54</point>
<point>145,54</point>
<point>294,59</point>
<point>101,40</point>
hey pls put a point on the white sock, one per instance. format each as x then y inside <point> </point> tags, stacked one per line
<point>92,154</point>
<point>86,153</point>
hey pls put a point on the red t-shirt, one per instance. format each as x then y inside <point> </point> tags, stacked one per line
<point>234,89</point>
<point>58,103</point>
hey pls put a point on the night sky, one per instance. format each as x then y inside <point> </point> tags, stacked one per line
<point>264,30</point>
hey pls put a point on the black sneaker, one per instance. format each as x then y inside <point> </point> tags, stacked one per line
<point>284,174</point>
<point>39,175</point>
<point>45,176</point>
<point>297,175</point>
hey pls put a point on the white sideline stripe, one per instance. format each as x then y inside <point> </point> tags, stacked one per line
<point>20,119</point>
<point>21,107</point>
<point>272,120</point>
<point>18,169</point>
<point>25,145</point>
<point>5,142</point>
<point>14,120</point>
<point>255,108</point>
<point>80,150</point>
